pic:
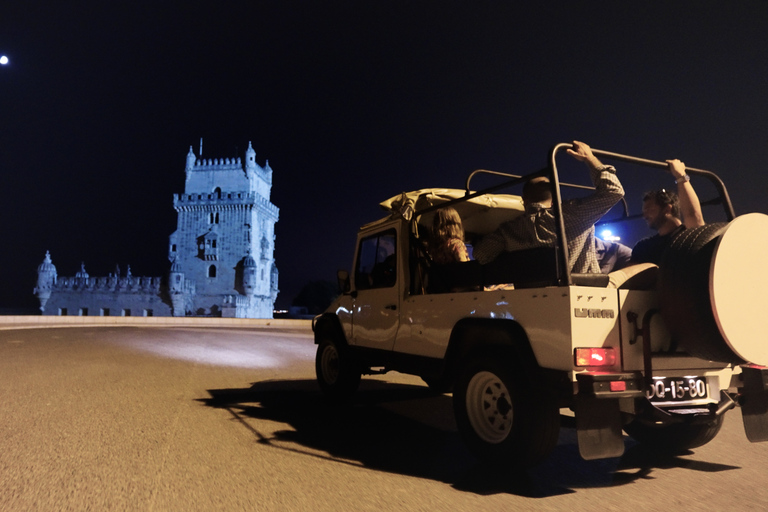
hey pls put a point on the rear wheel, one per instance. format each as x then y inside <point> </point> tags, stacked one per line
<point>503,416</point>
<point>674,438</point>
<point>337,373</point>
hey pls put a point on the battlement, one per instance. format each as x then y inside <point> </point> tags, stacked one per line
<point>109,284</point>
<point>194,201</point>
<point>234,198</point>
<point>229,165</point>
<point>218,164</point>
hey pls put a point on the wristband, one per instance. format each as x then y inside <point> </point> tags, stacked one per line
<point>682,179</point>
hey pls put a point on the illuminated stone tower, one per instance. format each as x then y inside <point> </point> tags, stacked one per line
<point>222,251</point>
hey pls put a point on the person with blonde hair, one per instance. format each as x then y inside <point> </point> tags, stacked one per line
<point>447,241</point>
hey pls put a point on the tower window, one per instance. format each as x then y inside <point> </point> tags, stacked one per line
<point>212,271</point>
<point>213,218</point>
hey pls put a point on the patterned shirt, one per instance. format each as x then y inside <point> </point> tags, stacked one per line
<point>449,251</point>
<point>537,227</point>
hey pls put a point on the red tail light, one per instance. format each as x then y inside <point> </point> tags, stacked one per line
<point>595,357</point>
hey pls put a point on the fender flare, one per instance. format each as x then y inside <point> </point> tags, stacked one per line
<point>328,324</point>
<point>471,335</point>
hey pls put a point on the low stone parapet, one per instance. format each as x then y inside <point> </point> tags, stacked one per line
<point>39,322</point>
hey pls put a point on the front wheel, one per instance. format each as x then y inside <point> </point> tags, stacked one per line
<point>502,417</point>
<point>337,373</point>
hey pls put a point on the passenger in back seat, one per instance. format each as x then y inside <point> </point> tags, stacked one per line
<point>662,210</point>
<point>612,255</point>
<point>536,227</point>
<point>446,244</point>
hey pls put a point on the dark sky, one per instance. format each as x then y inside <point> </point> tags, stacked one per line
<point>351,103</point>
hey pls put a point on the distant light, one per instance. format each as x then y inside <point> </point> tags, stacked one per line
<point>608,236</point>
<point>3,60</point>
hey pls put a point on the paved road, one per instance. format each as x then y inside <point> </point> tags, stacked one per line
<point>215,419</point>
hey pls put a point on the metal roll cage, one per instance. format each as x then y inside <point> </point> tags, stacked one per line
<point>563,271</point>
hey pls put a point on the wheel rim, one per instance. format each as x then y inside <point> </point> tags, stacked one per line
<point>489,407</point>
<point>329,364</point>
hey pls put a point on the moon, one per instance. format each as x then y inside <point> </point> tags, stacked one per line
<point>3,60</point>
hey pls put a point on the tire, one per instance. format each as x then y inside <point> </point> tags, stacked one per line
<point>337,373</point>
<point>684,294</point>
<point>503,416</point>
<point>674,438</point>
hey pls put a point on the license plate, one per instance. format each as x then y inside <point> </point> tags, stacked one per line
<point>677,389</point>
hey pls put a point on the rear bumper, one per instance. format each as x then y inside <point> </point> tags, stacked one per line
<point>602,386</point>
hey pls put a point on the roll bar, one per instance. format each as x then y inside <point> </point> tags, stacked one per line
<point>563,271</point>
<point>723,197</point>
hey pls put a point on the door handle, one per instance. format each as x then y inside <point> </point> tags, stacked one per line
<point>393,307</point>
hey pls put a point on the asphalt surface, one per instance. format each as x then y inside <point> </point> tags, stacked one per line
<point>125,418</point>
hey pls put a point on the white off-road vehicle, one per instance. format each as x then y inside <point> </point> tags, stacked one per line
<point>660,352</point>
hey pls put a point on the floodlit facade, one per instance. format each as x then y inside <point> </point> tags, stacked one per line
<point>221,254</point>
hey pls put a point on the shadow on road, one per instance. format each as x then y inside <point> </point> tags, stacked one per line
<point>408,430</point>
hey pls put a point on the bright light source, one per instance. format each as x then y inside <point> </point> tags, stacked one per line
<point>594,357</point>
<point>3,60</point>
<point>608,236</point>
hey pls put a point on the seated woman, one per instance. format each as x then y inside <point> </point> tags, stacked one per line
<point>447,242</point>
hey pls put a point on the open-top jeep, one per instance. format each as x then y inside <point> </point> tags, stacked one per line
<point>662,352</point>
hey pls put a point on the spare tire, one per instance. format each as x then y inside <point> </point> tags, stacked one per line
<point>713,289</point>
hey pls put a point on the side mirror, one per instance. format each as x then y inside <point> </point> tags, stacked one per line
<point>342,277</point>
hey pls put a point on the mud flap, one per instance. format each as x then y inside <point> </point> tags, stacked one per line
<point>598,428</point>
<point>754,403</point>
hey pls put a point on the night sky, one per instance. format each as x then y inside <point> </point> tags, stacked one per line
<point>351,103</point>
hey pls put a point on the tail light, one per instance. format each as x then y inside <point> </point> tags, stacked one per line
<point>594,357</point>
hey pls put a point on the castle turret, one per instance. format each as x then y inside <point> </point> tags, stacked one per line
<point>250,281</point>
<point>46,278</point>
<point>250,160</point>
<point>191,159</point>
<point>81,278</point>
<point>176,289</point>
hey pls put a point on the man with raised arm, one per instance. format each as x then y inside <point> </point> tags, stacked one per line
<point>536,226</point>
<point>661,211</point>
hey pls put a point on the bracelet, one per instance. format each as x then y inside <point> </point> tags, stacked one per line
<point>682,179</point>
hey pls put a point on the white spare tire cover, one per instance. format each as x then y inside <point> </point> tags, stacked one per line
<point>738,286</point>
